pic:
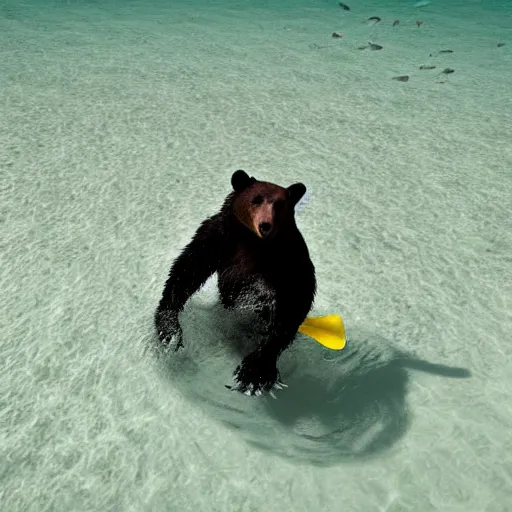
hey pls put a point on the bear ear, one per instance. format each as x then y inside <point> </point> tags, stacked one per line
<point>295,192</point>
<point>241,180</point>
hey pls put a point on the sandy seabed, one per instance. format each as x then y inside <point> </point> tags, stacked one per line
<point>120,126</point>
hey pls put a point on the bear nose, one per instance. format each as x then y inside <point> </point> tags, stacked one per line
<point>265,228</point>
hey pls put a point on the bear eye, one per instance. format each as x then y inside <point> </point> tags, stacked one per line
<point>257,200</point>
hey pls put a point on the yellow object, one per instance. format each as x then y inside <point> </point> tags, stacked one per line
<point>328,330</point>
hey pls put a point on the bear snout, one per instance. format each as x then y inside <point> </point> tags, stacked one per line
<point>265,228</point>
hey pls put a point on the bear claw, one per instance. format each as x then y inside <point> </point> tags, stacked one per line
<point>251,391</point>
<point>169,341</point>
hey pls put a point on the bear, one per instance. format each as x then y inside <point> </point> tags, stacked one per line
<point>262,262</point>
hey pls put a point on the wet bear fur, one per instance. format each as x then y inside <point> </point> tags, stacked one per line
<point>262,262</point>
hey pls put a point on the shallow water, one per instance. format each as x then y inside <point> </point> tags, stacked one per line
<point>120,126</point>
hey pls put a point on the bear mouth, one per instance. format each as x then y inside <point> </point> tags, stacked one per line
<point>264,230</point>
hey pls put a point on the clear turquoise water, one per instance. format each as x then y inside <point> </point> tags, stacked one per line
<point>120,126</point>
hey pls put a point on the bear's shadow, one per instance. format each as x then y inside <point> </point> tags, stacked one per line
<point>339,406</point>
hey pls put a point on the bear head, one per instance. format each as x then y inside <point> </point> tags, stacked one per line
<point>264,208</point>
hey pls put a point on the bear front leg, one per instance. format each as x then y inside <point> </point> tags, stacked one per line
<point>258,373</point>
<point>197,262</point>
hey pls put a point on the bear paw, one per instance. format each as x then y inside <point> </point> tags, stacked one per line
<point>169,330</point>
<point>255,376</point>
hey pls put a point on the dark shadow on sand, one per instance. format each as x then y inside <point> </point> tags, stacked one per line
<point>339,406</point>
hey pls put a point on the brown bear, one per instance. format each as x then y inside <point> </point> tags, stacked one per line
<point>262,262</point>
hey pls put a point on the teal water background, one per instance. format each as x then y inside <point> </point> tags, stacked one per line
<point>120,126</point>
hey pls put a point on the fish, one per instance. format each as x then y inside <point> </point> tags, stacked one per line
<point>401,78</point>
<point>374,46</point>
<point>427,67</point>
<point>345,7</point>
<point>448,71</point>
<point>442,51</point>
<point>316,46</point>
